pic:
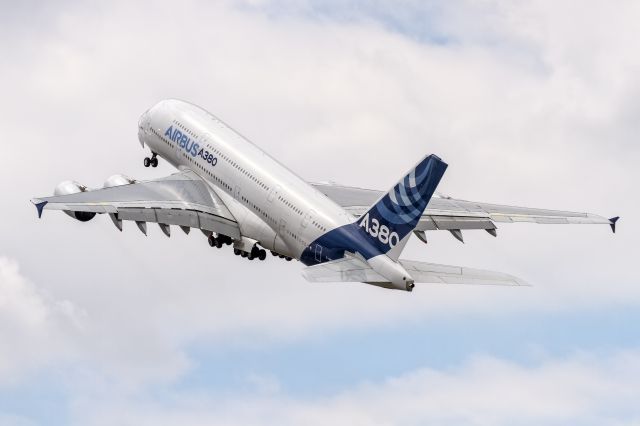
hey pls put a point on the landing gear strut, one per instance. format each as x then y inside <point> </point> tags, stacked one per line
<point>153,161</point>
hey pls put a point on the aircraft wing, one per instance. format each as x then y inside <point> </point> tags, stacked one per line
<point>445,213</point>
<point>354,269</point>
<point>182,199</point>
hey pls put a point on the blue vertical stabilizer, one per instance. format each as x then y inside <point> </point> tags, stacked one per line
<point>397,213</point>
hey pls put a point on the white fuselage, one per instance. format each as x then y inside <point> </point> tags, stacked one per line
<point>271,204</point>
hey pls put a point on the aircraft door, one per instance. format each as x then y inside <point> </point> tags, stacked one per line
<point>318,253</point>
<point>236,193</point>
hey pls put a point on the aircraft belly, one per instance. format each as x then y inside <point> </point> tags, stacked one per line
<point>250,224</point>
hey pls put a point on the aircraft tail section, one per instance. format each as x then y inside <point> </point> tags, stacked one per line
<point>387,225</point>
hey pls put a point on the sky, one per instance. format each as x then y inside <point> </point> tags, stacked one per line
<point>531,103</point>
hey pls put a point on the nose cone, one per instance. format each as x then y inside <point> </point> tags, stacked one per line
<point>143,127</point>
<point>142,120</point>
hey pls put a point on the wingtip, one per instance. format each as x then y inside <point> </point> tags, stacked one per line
<point>39,206</point>
<point>612,223</point>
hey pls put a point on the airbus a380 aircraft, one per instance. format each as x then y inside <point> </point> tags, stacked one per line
<point>237,194</point>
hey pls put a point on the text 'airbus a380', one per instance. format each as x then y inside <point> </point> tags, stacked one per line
<point>237,194</point>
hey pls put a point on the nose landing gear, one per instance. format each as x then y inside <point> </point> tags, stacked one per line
<point>153,161</point>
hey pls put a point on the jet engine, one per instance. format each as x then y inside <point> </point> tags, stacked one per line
<point>118,180</point>
<point>72,187</point>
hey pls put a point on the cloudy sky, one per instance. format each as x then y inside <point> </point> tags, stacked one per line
<point>533,103</point>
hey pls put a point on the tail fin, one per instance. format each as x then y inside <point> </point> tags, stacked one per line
<point>388,223</point>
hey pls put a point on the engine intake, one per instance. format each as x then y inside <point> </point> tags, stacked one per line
<point>72,187</point>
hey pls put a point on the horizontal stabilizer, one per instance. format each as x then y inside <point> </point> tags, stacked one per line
<point>353,269</point>
<point>423,272</point>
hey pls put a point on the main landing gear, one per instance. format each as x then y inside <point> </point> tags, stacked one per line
<point>281,256</point>
<point>256,253</point>
<point>219,240</point>
<point>153,161</point>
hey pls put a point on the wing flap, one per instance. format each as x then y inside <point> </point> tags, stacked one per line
<point>432,223</point>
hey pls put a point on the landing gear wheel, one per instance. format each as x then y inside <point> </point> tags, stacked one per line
<point>262,255</point>
<point>147,161</point>
<point>212,241</point>
<point>218,243</point>
<point>236,252</point>
<point>154,162</point>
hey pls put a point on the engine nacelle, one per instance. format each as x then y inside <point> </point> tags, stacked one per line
<point>118,180</point>
<point>72,187</point>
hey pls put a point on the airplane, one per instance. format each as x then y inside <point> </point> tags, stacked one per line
<point>238,195</point>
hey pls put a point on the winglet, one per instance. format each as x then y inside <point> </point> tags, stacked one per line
<point>40,207</point>
<point>612,223</point>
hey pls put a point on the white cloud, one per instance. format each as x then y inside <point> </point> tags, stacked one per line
<point>582,389</point>
<point>37,330</point>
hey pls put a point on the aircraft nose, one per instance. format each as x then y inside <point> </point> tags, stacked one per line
<point>143,124</point>
<point>143,119</point>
